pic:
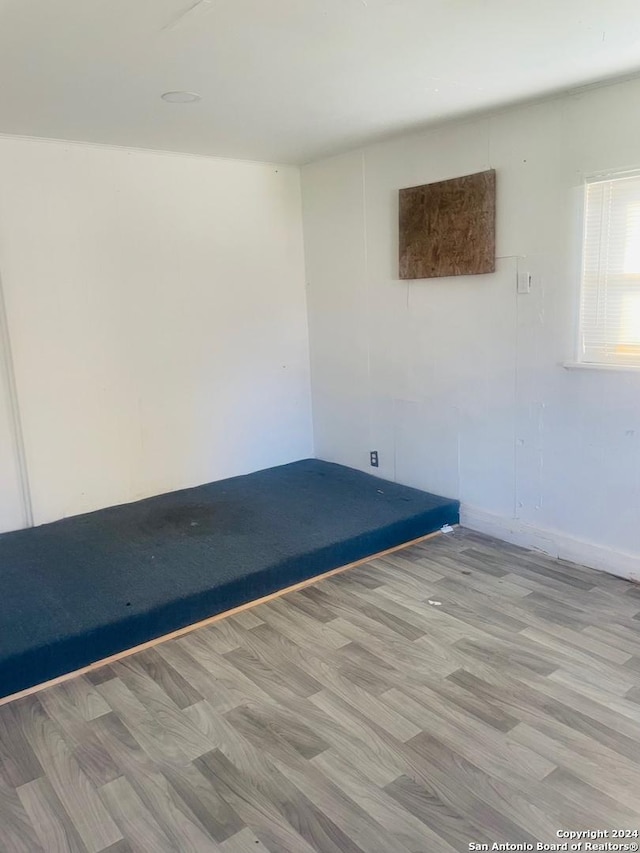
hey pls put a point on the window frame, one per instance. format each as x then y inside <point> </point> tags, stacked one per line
<point>579,362</point>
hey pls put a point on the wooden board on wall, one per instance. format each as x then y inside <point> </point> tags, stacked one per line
<point>449,228</point>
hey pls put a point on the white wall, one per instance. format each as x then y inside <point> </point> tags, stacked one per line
<point>156,306</point>
<point>458,382</point>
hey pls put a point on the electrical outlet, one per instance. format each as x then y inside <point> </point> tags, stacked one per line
<point>374,458</point>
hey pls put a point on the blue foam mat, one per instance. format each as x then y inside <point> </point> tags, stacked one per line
<point>81,589</point>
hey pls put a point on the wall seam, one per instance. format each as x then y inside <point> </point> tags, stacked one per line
<point>14,411</point>
<point>365,240</point>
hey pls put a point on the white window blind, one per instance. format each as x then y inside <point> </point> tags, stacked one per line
<point>610,295</point>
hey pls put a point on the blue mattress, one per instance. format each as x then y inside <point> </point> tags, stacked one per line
<point>81,589</point>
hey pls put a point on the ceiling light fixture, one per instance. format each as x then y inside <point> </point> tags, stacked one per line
<point>181,97</point>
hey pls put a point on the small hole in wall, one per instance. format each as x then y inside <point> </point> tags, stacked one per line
<point>128,604</point>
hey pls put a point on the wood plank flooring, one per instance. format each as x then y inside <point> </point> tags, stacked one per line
<point>461,690</point>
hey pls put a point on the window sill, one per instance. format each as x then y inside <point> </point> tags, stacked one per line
<point>585,365</point>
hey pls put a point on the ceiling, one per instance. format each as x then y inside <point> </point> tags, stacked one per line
<point>292,80</point>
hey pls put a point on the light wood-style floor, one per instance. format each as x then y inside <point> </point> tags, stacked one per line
<point>459,691</point>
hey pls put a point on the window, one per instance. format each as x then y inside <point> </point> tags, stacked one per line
<point>610,294</point>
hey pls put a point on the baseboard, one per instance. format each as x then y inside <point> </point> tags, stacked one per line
<point>552,542</point>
